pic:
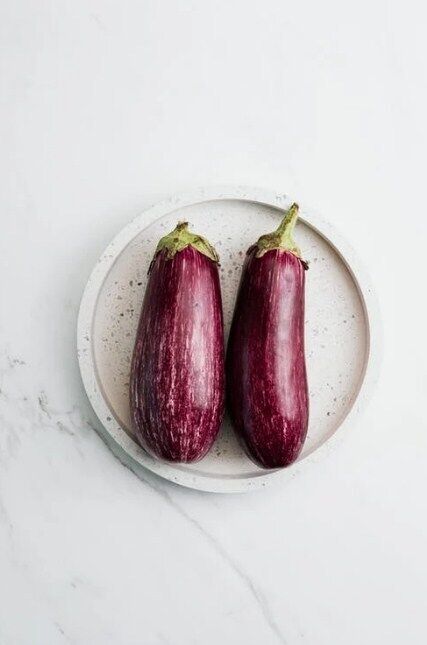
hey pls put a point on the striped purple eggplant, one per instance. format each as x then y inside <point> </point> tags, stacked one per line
<point>177,386</point>
<point>266,373</point>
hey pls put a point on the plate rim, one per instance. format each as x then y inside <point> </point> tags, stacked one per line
<point>119,441</point>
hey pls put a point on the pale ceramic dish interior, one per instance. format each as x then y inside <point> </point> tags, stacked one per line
<point>337,330</point>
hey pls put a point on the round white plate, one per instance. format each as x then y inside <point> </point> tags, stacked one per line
<point>342,327</point>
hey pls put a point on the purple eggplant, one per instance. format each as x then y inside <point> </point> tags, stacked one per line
<point>266,374</point>
<point>177,386</point>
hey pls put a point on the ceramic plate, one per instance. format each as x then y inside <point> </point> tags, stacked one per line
<point>342,329</point>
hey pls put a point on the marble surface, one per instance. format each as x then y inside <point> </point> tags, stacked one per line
<point>106,108</point>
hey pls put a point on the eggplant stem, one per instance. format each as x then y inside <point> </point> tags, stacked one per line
<point>287,225</point>
<point>282,237</point>
<point>178,240</point>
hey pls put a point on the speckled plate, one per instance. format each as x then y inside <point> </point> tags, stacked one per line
<point>342,328</point>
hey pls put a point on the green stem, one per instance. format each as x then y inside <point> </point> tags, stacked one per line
<point>287,225</point>
<point>180,238</point>
<point>282,237</point>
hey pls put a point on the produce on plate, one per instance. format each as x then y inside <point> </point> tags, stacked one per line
<point>266,372</point>
<point>177,386</point>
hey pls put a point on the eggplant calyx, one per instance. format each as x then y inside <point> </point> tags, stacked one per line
<point>178,240</point>
<point>282,237</point>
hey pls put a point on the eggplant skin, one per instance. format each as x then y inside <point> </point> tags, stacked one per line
<point>267,390</point>
<point>177,388</point>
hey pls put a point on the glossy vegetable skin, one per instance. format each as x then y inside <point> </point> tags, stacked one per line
<point>177,374</point>
<point>266,372</point>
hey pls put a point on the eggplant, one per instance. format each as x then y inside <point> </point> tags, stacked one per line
<point>177,389</point>
<point>267,390</point>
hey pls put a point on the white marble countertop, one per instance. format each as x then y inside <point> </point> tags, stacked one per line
<point>106,108</point>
